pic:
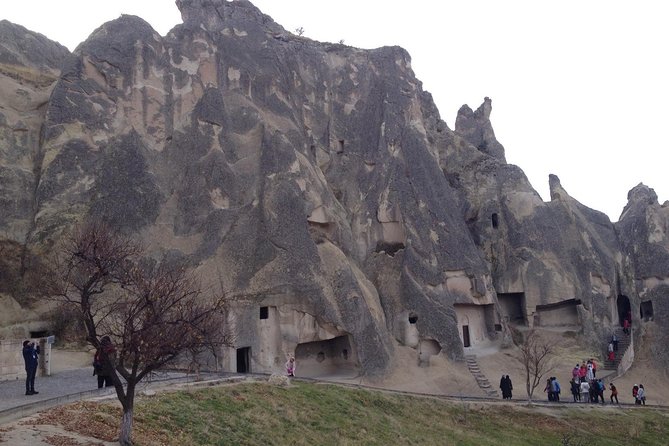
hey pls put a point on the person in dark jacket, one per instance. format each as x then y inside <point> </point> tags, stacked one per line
<point>30,357</point>
<point>102,362</point>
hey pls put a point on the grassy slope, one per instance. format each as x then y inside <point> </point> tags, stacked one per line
<point>313,414</point>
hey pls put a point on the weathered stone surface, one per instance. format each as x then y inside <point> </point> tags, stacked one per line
<point>344,216</point>
<point>29,68</point>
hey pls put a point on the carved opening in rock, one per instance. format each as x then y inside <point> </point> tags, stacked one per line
<point>320,232</point>
<point>427,348</point>
<point>466,341</point>
<point>559,314</point>
<point>498,327</point>
<point>495,221</point>
<point>39,334</point>
<point>646,310</point>
<point>313,151</point>
<point>340,148</point>
<point>624,309</point>
<point>474,322</point>
<point>244,360</point>
<point>264,312</point>
<point>512,307</point>
<point>408,330</point>
<point>331,357</point>
<point>389,248</point>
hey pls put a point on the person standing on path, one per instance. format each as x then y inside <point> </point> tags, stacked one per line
<point>641,395</point>
<point>30,357</point>
<point>614,393</point>
<point>102,362</point>
<point>290,367</point>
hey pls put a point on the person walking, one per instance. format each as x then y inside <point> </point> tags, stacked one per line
<point>614,393</point>
<point>30,358</point>
<point>641,395</point>
<point>614,341</point>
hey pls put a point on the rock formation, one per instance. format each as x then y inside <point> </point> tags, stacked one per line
<point>344,217</point>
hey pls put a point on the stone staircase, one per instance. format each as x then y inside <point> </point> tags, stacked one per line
<point>481,379</point>
<point>623,345</point>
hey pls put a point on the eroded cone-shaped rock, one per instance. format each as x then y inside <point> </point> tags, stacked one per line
<point>643,231</point>
<point>299,170</point>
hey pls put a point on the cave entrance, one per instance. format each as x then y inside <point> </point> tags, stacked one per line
<point>646,310</point>
<point>244,360</point>
<point>466,341</point>
<point>559,314</point>
<point>331,357</point>
<point>624,309</point>
<point>512,306</point>
<point>475,323</point>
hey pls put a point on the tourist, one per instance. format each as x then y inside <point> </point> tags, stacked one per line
<point>601,387</point>
<point>612,353</point>
<point>574,373</point>
<point>548,389</point>
<point>290,367</point>
<point>30,357</point>
<point>590,374</point>
<point>635,392</point>
<point>585,391</point>
<point>594,368</point>
<point>614,341</point>
<point>102,366</point>
<point>614,393</point>
<point>555,387</point>
<point>575,390</point>
<point>626,326</point>
<point>641,395</point>
<point>582,372</point>
<point>506,386</point>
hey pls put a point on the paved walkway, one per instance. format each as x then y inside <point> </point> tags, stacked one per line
<point>64,387</point>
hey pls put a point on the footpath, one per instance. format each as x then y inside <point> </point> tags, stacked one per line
<point>67,386</point>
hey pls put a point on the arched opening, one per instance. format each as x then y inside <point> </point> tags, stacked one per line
<point>330,357</point>
<point>646,311</point>
<point>495,221</point>
<point>624,309</point>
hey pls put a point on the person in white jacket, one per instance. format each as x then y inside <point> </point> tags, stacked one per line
<point>290,367</point>
<point>641,395</point>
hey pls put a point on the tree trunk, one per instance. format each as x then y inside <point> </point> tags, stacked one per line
<point>125,435</point>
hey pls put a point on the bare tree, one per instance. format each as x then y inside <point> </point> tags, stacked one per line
<point>152,313</point>
<point>537,358</point>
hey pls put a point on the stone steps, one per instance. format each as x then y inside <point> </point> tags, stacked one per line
<point>623,344</point>
<point>480,377</point>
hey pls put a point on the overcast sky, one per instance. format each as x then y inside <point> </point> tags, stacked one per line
<point>579,88</point>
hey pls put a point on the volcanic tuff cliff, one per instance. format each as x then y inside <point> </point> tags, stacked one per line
<point>317,178</point>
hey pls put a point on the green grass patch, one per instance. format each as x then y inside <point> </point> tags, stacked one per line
<point>316,414</point>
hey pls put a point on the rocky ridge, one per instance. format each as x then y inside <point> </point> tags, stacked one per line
<point>320,179</point>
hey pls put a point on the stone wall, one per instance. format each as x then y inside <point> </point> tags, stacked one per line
<point>11,359</point>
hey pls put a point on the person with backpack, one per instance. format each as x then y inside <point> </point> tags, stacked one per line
<point>102,362</point>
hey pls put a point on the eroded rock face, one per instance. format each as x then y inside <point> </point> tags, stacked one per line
<point>344,215</point>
